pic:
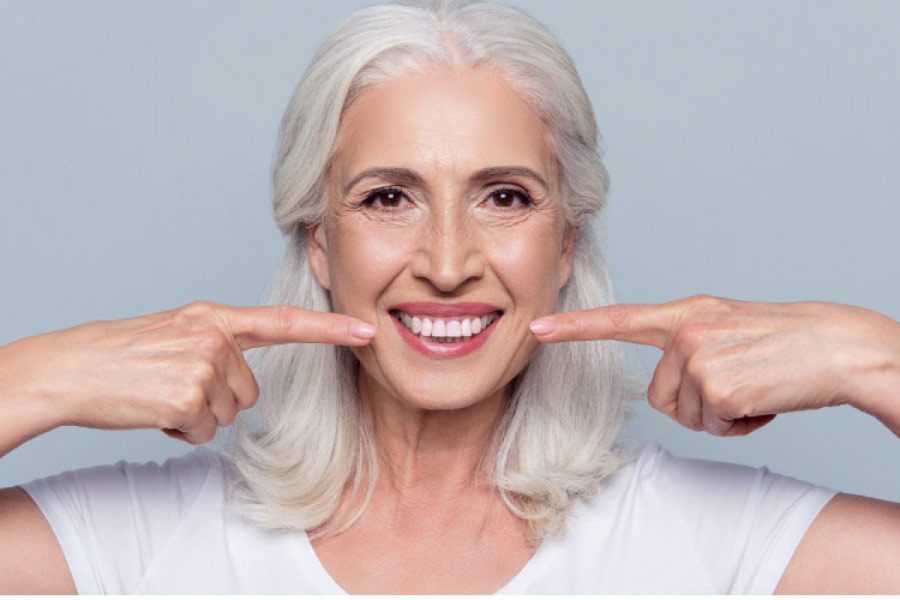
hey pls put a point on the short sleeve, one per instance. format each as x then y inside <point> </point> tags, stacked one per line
<point>744,523</point>
<point>110,520</point>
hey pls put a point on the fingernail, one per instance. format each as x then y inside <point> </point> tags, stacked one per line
<point>362,330</point>
<point>542,326</point>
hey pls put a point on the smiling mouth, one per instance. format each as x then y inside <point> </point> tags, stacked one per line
<point>445,330</point>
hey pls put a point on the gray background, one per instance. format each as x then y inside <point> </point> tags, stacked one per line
<point>752,148</point>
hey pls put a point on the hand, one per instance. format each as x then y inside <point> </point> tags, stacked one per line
<point>181,370</point>
<point>730,366</point>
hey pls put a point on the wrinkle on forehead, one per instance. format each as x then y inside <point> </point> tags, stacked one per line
<point>442,121</point>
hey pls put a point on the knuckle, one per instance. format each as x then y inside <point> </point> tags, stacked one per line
<point>201,430</point>
<point>229,418</point>
<point>715,426</point>
<point>193,400</point>
<point>200,306</point>
<point>179,414</point>
<point>620,317</point>
<point>688,338</point>
<point>196,309</point>
<point>655,395</point>
<point>254,394</point>
<point>203,436</point>
<point>213,341</point>
<point>188,316</point>
<point>717,391</point>
<point>703,299</point>
<point>284,317</point>
<point>576,322</point>
<point>226,419</point>
<point>202,372</point>
<point>697,369</point>
<point>709,303</point>
<point>684,419</point>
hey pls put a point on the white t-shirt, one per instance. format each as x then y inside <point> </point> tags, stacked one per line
<point>661,524</point>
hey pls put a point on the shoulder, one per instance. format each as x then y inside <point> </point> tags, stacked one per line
<point>178,478</point>
<point>704,493</point>
<point>111,520</point>
<point>736,524</point>
<point>146,498</point>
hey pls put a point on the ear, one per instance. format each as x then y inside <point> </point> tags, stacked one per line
<point>568,255</point>
<point>317,249</point>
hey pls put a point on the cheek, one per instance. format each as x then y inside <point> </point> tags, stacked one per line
<point>362,263</point>
<point>527,263</point>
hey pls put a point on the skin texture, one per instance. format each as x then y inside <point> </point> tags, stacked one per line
<point>444,239</point>
<point>728,366</point>
<point>181,370</point>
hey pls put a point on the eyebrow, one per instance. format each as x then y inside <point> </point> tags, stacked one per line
<point>409,176</point>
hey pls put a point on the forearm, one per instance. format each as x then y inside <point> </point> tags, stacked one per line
<point>24,413</point>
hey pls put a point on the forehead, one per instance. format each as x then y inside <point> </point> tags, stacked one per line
<point>446,119</point>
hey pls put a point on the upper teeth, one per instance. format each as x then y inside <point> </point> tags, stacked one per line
<point>457,327</point>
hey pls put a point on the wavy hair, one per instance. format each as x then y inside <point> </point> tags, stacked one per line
<point>310,439</point>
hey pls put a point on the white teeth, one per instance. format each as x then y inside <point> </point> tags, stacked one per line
<point>438,329</point>
<point>465,329</point>
<point>476,326</point>
<point>448,331</point>
<point>453,329</point>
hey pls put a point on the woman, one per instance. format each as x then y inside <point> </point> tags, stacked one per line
<point>421,429</point>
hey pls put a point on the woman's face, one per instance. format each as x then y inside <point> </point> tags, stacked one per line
<point>443,224</point>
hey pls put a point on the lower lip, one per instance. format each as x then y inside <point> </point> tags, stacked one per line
<point>448,350</point>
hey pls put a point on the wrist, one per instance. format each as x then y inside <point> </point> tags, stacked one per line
<point>875,385</point>
<point>22,399</point>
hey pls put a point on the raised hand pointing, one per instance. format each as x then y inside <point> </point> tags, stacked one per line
<point>730,366</point>
<point>181,370</point>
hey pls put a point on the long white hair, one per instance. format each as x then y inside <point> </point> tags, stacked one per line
<point>555,440</point>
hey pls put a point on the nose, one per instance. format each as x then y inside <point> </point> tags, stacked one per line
<point>447,254</point>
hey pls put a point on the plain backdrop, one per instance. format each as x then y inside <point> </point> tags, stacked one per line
<point>752,147</point>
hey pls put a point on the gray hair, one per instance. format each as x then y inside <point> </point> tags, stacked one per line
<point>555,439</point>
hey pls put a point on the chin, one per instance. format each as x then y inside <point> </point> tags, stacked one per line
<point>441,396</point>
<point>432,391</point>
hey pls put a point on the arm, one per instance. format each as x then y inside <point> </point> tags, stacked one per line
<point>31,559</point>
<point>852,547</point>
<point>24,414</point>
<point>730,366</point>
<point>874,382</point>
<point>181,370</point>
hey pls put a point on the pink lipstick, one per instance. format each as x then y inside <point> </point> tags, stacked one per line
<point>433,348</point>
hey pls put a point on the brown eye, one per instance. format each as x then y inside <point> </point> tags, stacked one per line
<point>386,197</point>
<point>506,198</point>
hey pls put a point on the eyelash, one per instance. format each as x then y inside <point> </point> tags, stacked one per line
<point>370,198</point>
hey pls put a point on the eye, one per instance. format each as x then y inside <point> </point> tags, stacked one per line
<point>389,197</point>
<point>506,198</point>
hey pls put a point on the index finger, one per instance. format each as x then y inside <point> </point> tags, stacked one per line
<point>255,326</point>
<point>649,324</point>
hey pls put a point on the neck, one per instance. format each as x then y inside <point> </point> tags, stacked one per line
<point>428,455</point>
